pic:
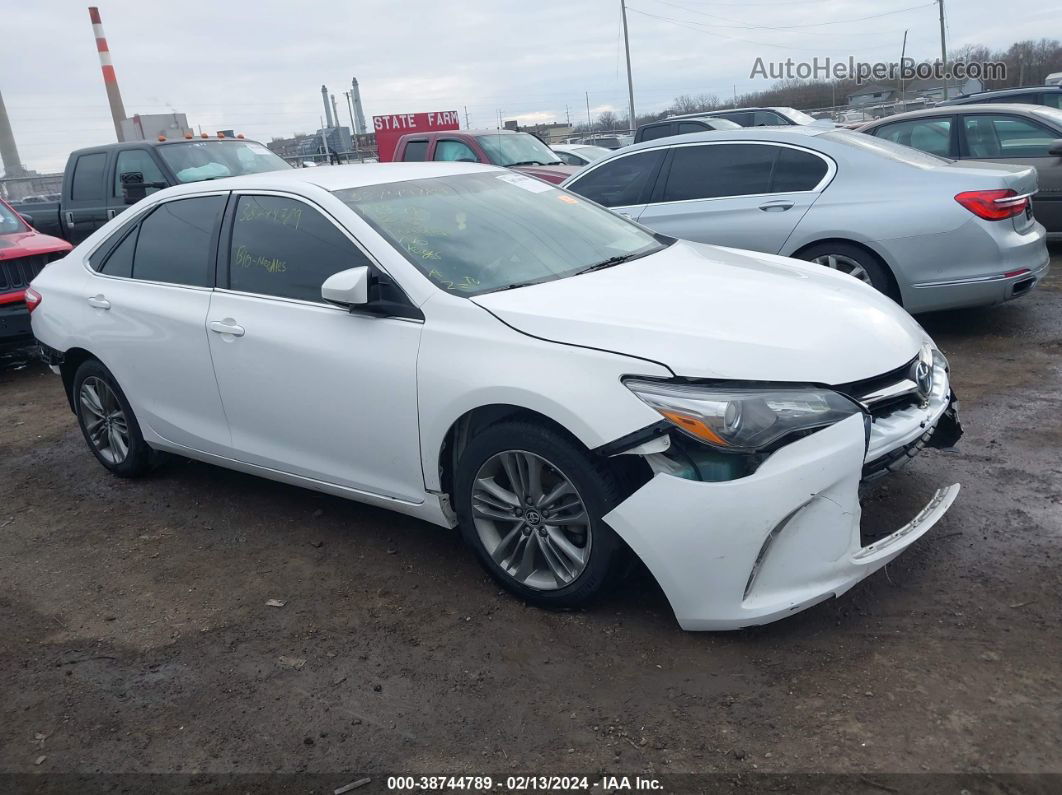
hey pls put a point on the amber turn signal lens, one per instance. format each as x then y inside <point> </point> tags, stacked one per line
<point>694,426</point>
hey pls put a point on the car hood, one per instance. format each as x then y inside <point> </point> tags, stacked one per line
<point>554,174</point>
<point>711,312</point>
<point>28,244</point>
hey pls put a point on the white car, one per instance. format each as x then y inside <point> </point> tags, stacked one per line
<point>579,154</point>
<point>480,349</point>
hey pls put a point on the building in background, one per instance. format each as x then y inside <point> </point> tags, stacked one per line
<point>311,147</point>
<point>150,126</point>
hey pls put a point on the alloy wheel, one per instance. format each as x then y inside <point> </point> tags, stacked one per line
<point>105,421</point>
<point>839,262</point>
<point>531,520</point>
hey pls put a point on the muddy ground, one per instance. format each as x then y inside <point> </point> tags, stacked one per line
<point>135,636</point>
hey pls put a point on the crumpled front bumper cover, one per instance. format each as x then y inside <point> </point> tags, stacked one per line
<point>749,551</point>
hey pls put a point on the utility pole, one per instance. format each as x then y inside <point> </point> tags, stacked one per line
<point>589,121</point>
<point>500,125</point>
<point>568,115</point>
<point>943,43</point>
<point>467,125</point>
<point>903,54</point>
<point>630,81</point>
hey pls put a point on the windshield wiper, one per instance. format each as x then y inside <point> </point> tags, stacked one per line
<point>525,163</point>
<point>608,263</point>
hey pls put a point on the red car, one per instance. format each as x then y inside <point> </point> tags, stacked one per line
<point>519,151</point>
<point>23,254</point>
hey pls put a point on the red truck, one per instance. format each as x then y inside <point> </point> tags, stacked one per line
<point>516,150</point>
<point>23,254</point>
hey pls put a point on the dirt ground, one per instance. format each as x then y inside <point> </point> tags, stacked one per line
<point>135,635</point>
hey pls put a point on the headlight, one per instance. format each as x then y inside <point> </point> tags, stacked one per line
<point>743,420</point>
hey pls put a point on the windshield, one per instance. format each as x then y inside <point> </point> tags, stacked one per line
<point>475,233</point>
<point>796,115</point>
<point>517,149</point>
<point>9,221</point>
<point>195,161</point>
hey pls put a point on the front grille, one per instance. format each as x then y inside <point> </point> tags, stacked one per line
<point>16,274</point>
<point>879,409</point>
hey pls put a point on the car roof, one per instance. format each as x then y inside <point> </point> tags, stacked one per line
<point>1015,90</point>
<point>167,142</point>
<point>1019,109</point>
<point>332,178</point>
<point>780,134</point>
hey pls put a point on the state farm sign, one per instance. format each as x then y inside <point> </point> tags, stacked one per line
<point>390,128</point>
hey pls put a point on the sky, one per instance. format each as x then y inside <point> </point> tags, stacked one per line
<point>257,67</point>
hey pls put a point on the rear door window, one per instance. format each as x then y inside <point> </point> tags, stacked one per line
<point>621,182</point>
<point>176,243</point>
<point>717,170</point>
<point>283,247</point>
<point>931,135</point>
<point>87,182</point>
<point>655,131</point>
<point>415,151</point>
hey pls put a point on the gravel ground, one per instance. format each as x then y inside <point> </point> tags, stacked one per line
<point>135,634</point>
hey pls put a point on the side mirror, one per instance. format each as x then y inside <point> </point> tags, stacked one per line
<point>348,288</point>
<point>134,188</point>
<point>1056,148</point>
<point>27,218</point>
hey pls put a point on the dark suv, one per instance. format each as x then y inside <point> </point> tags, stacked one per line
<point>1051,96</point>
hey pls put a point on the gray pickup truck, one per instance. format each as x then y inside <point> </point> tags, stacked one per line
<point>101,181</point>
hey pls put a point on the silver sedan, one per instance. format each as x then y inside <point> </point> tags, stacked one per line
<point>930,232</point>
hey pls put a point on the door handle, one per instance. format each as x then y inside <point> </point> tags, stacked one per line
<point>69,218</point>
<point>226,326</point>
<point>776,207</point>
<point>111,213</point>
<point>99,302</point>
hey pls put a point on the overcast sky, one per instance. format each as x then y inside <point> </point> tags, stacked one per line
<point>257,67</point>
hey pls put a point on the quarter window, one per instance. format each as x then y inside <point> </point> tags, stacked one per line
<point>712,171</point>
<point>930,135</point>
<point>797,171</point>
<point>991,135</point>
<point>174,244</point>
<point>285,248</point>
<point>620,182</point>
<point>139,161</point>
<point>120,261</point>
<point>87,183</point>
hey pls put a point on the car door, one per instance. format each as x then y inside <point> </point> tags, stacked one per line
<point>139,161</point>
<point>146,310</point>
<point>1010,138</point>
<point>746,195</point>
<point>310,388</point>
<point>933,134</point>
<point>624,183</point>
<point>84,207</point>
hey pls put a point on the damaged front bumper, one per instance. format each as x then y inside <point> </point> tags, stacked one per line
<point>737,553</point>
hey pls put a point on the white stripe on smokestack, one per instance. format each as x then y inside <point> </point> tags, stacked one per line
<point>110,81</point>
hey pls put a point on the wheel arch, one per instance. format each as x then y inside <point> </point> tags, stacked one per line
<point>465,427</point>
<point>72,360</point>
<point>894,286</point>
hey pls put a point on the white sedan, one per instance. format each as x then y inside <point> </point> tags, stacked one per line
<point>479,349</point>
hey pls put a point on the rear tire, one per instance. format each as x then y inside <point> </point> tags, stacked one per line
<point>511,480</point>
<point>854,261</point>
<point>108,424</point>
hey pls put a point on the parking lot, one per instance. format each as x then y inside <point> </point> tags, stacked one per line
<point>135,633</point>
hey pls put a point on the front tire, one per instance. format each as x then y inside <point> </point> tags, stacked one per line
<point>529,502</point>
<point>107,422</point>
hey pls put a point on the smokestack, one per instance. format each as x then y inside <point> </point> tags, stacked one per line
<point>328,107</point>
<point>110,82</point>
<point>359,116</point>
<point>335,110</point>
<point>8,150</point>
